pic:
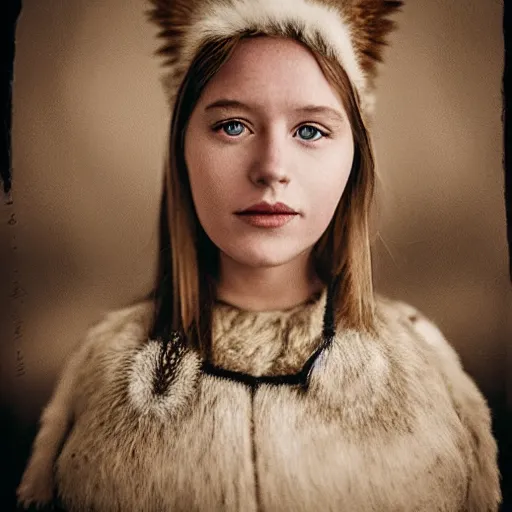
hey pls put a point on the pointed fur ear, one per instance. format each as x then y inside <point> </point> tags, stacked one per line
<point>371,26</point>
<point>174,17</point>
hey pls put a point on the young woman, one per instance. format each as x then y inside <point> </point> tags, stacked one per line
<point>264,373</point>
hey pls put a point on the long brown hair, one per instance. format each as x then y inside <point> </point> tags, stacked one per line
<point>188,259</point>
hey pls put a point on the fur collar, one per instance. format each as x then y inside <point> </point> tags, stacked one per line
<point>266,343</point>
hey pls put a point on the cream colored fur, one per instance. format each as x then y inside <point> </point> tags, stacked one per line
<point>222,20</point>
<point>389,423</point>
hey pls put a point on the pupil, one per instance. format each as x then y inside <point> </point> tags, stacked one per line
<point>231,128</point>
<point>308,132</point>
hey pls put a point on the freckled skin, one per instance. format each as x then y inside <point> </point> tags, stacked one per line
<point>268,153</point>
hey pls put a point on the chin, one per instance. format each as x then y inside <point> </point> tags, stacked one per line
<point>264,257</point>
<point>264,261</point>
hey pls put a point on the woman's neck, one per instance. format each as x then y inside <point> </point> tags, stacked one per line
<point>269,288</point>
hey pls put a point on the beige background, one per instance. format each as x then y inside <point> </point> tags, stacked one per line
<point>90,122</point>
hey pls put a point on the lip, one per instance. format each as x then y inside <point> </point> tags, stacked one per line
<point>266,220</point>
<point>265,208</point>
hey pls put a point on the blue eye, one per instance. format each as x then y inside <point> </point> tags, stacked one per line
<point>232,128</point>
<point>308,132</point>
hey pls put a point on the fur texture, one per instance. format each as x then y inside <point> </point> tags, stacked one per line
<point>352,31</point>
<point>388,424</point>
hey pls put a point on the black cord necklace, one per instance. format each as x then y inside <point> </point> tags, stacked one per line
<point>298,379</point>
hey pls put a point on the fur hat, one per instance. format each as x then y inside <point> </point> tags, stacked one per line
<point>352,31</point>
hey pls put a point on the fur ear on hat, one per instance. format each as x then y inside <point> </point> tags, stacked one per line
<point>352,31</point>
<point>372,25</point>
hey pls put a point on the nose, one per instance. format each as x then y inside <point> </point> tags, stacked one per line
<point>271,165</point>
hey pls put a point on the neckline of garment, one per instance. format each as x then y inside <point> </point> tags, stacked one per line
<point>313,300</point>
<point>300,378</point>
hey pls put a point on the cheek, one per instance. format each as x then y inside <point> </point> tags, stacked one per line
<point>209,175</point>
<point>323,200</point>
<point>327,184</point>
<point>218,185</point>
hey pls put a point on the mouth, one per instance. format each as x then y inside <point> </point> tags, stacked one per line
<point>270,214</point>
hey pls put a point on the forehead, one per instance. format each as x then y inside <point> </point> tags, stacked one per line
<point>272,70</point>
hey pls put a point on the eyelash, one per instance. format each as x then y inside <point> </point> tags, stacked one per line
<point>219,127</point>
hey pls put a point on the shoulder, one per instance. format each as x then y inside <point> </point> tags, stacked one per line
<point>468,401</point>
<point>425,335</point>
<point>114,329</point>
<point>134,316</point>
<point>108,341</point>
<point>128,325</point>
<point>422,332</point>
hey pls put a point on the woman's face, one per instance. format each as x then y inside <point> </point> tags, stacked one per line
<point>268,127</point>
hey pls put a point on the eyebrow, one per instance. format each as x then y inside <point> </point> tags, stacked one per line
<point>308,109</point>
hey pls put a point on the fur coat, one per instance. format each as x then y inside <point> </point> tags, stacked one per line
<point>387,424</point>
